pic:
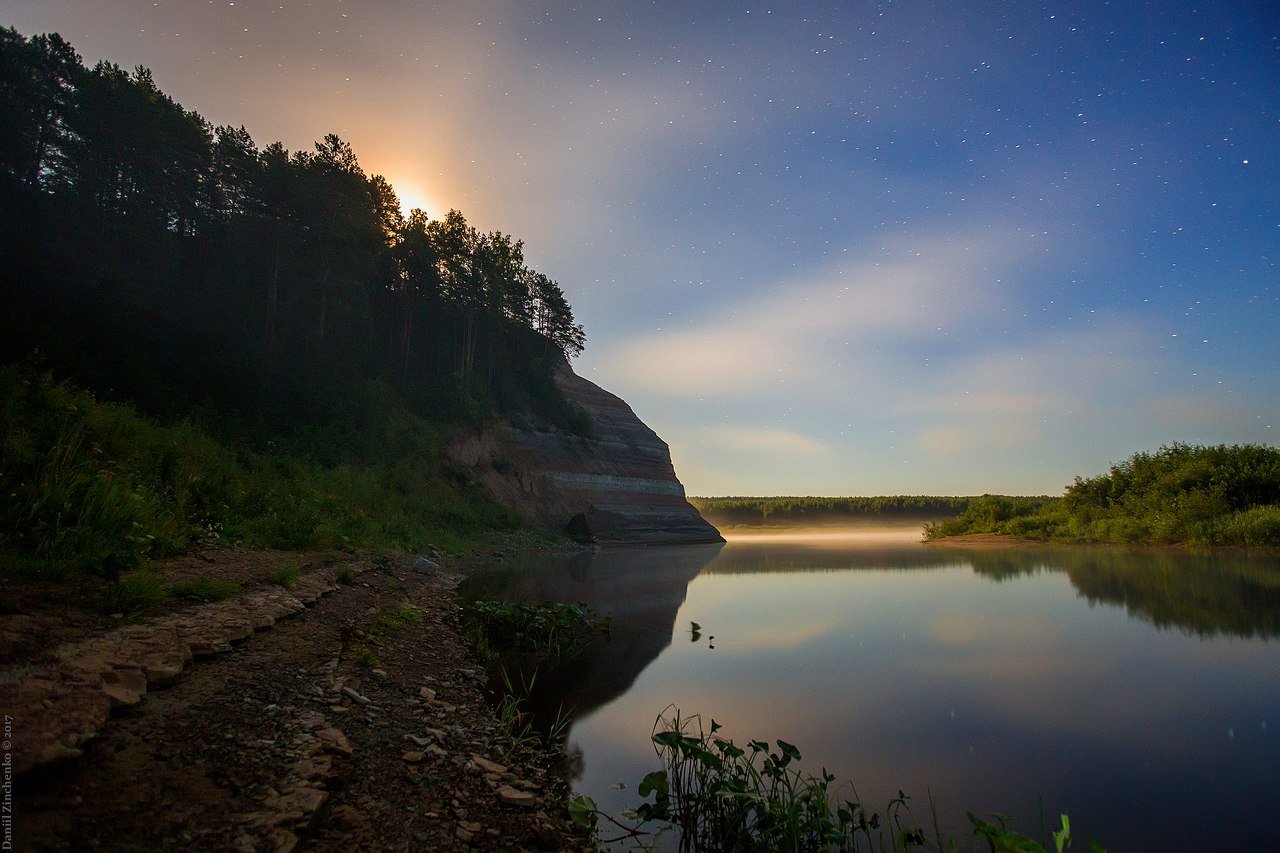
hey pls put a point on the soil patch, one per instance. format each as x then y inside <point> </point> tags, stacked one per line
<point>358,722</point>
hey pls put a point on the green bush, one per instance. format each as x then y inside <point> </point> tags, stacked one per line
<point>88,487</point>
<point>1181,494</point>
<point>1259,525</point>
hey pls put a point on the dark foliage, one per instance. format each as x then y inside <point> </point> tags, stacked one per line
<point>810,510</point>
<point>154,258</point>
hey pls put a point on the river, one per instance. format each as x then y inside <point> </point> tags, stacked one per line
<point>1138,692</point>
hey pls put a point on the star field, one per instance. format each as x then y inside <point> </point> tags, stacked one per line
<point>822,248</point>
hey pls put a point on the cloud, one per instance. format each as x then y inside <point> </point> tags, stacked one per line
<point>763,440</point>
<point>909,292</point>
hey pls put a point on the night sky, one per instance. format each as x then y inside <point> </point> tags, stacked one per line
<point>837,248</point>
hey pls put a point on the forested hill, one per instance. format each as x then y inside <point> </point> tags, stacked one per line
<point>154,258</point>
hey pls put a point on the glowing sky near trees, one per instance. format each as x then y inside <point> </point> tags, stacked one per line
<point>838,248</point>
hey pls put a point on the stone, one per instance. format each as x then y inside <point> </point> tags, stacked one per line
<point>427,693</point>
<point>300,802</point>
<point>120,695</point>
<point>488,766</point>
<point>515,797</point>
<point>335,741</point>
<point>283,841</point>
<point>417,741</point>
<point>413,757</point>
<point>356,697</point>
<point>424,565</point>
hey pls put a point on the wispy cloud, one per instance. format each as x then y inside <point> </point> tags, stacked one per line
<point>771,440</point>
<point>833,323</point>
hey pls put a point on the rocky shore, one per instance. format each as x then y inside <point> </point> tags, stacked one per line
<point>325,715</point>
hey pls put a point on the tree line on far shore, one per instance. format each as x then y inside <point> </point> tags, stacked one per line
<point>826,510</point>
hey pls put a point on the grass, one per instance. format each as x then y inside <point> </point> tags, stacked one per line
<point>93,488</point>
<point>718,796</point>
<point>206,588</point>
<point>286,575</point>
<point>517,725</point>
<point>799,511</point>
<point>135,593</point>
<point>545,631</point>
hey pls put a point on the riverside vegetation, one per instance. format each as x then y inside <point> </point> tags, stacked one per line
<point>1181,494</point>
<point>719,796</point>
<point>208,343</point>
<point>802,511</point>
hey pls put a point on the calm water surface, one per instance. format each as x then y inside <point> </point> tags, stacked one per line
<point>1138,692</point>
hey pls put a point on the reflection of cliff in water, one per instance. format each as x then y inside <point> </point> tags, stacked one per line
<point>641,589</point>
<point>1207,594</point>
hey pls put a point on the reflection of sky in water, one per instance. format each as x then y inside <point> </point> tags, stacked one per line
<point>987,694</point>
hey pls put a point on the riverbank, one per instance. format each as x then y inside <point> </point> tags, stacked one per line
<point>342,711</point>
<point>985,540</point>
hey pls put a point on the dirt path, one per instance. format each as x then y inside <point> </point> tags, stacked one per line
<point>357,723</point>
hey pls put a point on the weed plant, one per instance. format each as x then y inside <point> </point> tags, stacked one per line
<point>137,593</point>
<point>286,575</point>
<point>516,722</point>
<point>206,588</point>
<point>546,631</point>
<point>717,796</point>
<point>93,488</point>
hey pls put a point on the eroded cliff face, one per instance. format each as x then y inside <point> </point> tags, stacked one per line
<point>618,486</point>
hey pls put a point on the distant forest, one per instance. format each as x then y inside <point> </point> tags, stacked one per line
<point>781,511</point>
<point>153,257</point>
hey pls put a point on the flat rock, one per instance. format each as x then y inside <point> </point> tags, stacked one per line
<point>488,766</point>
<point>515,797</point>
<point>335,741</point>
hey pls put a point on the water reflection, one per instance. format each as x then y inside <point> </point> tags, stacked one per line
<point>989,678</point>
<point>1234,593</point>
<point>641,589</point>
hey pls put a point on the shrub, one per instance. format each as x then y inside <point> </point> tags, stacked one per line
<point>1257,526</point>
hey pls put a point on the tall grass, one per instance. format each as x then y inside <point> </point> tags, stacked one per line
<point>93,487</point>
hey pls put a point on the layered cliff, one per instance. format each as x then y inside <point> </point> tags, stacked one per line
<point>616,486</point>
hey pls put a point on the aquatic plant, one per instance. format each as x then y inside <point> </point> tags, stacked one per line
<point>718,796</point>
<point>543,631</point>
